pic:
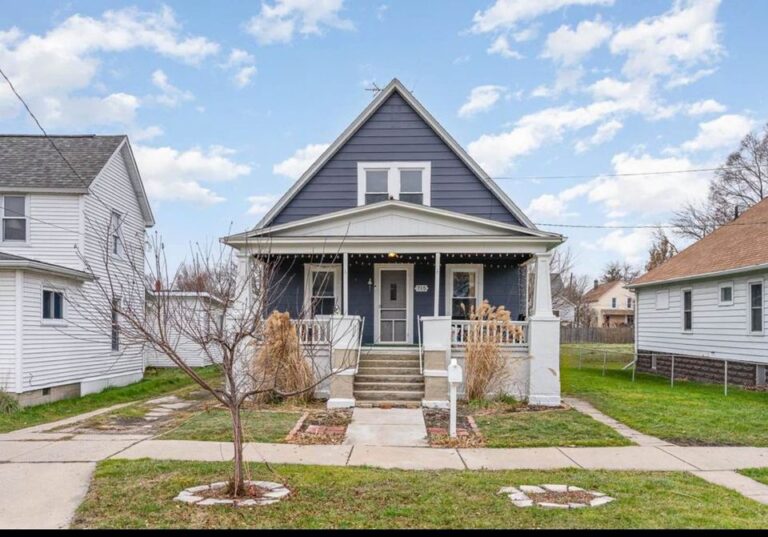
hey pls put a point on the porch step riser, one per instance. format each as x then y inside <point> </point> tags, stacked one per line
<point>388,396</point>
<point>389,386</point>
<point>389,363</point>
<point>367,371</point>
<point>368,378</point>
<point>390,357</point>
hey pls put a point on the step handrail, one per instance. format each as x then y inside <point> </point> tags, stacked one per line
<point>418,329</point>
<point>359,344</point>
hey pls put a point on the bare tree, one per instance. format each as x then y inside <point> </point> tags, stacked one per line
<point>194,276</point>
<point>738,184</point>
<point>230,331</point>
<point>619,271</point>
<point>661,249</point>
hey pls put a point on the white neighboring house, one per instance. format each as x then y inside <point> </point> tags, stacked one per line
<point>611,304</point>
<point>206,308</point>
<point>54,222</point>
<point>706,306</point>
<point>562,308</point>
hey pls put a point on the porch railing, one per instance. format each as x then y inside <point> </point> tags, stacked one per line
<point>313,331</point>
<point>503,333</point>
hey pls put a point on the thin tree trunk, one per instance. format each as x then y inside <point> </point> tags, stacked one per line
<point>238,480</point>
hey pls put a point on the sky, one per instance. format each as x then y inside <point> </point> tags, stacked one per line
<point>226,103</point>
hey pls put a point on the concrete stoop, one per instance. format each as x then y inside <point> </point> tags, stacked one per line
<point>389,379</point>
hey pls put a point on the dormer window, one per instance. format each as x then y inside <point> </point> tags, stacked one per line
<point>404,181</point>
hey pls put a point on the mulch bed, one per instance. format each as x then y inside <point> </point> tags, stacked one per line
<point>321,427</point>
<point>438,422</point>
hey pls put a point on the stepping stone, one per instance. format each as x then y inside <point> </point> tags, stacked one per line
<point>532,489</point>
<point>556,488</point>
<point>175,406</point>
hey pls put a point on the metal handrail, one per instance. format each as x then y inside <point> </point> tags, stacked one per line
<point>359,344</point>
<point>421,359</point>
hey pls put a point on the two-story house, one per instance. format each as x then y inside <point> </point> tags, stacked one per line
<point>65,220</point>
<point>397,226</point>
<point>611,304</point>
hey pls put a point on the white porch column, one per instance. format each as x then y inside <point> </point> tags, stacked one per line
<point>344,340</point>
<point>437,284</point>
<point>543,340</point>
<point>345,285</point>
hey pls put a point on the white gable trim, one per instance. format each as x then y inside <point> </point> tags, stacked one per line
<point>395,85</point>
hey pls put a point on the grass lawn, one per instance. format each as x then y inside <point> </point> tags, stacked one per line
<point>156,382</point>
<point>758,474</point>
<point>689,413</point>
<point>545,428</point>
<point>138,494</point>
<point>216,425</point>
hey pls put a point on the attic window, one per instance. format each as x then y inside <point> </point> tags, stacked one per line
<point>404,181</point>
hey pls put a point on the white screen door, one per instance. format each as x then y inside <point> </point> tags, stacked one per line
<point>393,306</point>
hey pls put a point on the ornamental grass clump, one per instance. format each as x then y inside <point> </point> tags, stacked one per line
<point>281,359</point>
<point>8,404</point>
<point>485,363</point>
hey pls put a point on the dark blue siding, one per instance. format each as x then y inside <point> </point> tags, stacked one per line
<point>395,132</point>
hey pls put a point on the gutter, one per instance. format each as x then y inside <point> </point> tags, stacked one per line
<point>705,275</point>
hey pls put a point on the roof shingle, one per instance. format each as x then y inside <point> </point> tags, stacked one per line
<point>739,244</point>
<point>30,161</point>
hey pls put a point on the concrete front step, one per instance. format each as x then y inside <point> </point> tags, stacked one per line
<point>394,357</point>
<point>373,377</point>
<point>366,371</point>
<point>388,404</point>
<point>382,395</point>
<point>389,363</point>
<point>390,386</point>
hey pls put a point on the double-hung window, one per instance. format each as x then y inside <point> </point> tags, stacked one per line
<point>464,289</point>
<point>404,181</point>
<point>322,289</point>
<point>687,300</point>
<point>115,331</point>
<point>613,302</point>
<point>53,305</point>
<point>755,301</point>
<point>14,213</point>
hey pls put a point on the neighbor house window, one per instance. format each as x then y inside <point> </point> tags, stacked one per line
<point>14,213</point>
<point>629,302</point>
<point>115,332</point>
<point>464,289</point>
<point>53,305</point>
<point>322,289</point>
<point>726,294</point>
<point>613,302</point>
<point>404,181</point>
<point>756,307</point>
<point>116,235</point>
<point>687,310</point>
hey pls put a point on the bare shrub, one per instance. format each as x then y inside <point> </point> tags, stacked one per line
<point>282,359</point>
<point>8,404</point>
<point>485,363</point>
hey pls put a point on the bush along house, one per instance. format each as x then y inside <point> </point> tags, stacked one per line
<point>396,234</point>
<point>701,314</point>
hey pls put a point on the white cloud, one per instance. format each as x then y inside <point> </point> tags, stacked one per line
<point>555,206</point>
<point>707,106</point>
<point>688,79</point>
<point>171,95</point>
<point>604,133</point>
<point>279,22</point>
<point>481,99</point>
<point>243,64</point>
<point>170,174</point>
<point>146,134</point>
<point>526,34</point>
<point>671,43</point>
<point>568,46</point>
<point>298,163</point>
<point>380,11</point>
<point>631,245</point>
<point>70,54</point>
<point>723,132</point>
<point>501,47</point>
<point>505,14</point>
<point>567,79</point>
<point>260,204</point>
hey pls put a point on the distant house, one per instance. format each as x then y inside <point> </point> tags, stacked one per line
<point>562,308</point>
<point>54,224</point>
<point>203,308</point>
<point>706,306</point>
<point>611,304</point>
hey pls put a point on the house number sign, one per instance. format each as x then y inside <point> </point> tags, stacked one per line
<point>421,288</point>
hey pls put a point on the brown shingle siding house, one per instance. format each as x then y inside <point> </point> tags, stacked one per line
<point>706,306</point>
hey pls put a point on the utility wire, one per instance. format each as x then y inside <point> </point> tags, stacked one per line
<point>629,174</point>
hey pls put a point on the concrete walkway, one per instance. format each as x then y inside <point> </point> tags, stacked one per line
<point>627,432</point>
<point>387,427</point>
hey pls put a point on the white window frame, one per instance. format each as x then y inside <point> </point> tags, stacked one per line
<point>53,321</point>
<point>393,170</point>
<point>120,254</point>
<point>682,309</point>
<point>720,287</point>
<point>750,283</point>
<point>665,294</point>
<point>3,218</point>
<point>450,268</point>
<point>311,268</point>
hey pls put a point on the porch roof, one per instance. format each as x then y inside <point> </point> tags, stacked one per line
<point>394,226</point>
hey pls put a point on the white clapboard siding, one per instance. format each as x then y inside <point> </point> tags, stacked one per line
<point>719,331</point>
<point>53,230</point>
<point>8,330</point>
<point>80,349</point>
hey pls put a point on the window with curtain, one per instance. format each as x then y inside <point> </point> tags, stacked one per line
<point>14,213</point>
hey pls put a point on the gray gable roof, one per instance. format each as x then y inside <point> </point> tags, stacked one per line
<point>28,161</point>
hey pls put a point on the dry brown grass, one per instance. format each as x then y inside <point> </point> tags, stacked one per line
<point>485,363</point>
<point>280,361</point>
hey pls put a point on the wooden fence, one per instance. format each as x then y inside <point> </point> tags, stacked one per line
<point>583,334</point>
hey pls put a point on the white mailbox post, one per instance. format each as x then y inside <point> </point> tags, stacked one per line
<point>454,379</point>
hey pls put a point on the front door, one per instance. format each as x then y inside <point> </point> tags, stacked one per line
<point>393,304</point>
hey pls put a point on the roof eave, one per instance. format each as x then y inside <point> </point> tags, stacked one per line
<point>702,276</point>
<point>37,266</point>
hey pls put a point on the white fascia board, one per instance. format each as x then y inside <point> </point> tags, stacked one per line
<point>703,276</point>
<point>37,266</point>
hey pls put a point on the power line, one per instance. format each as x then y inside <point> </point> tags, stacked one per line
<point>595,175</point>
<point>642,226</point>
